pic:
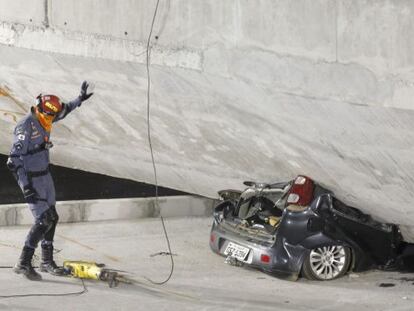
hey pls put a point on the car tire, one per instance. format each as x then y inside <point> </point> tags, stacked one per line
<point>327,263</point>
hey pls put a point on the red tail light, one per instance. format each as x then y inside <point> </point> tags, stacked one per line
<point>265,258</point>
<point>301,192</point>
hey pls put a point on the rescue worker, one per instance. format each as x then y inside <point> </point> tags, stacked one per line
<point>29,163</point>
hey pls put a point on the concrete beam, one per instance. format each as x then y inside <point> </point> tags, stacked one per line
<point>240,90</point>
<point>24,12</point>
<point>376,34</point>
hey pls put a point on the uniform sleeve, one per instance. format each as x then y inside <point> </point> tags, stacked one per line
<point>19,151</point>
<point>68,108</point>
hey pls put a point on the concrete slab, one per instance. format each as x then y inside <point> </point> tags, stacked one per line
<point>201,281</point>
<point>241,90</point>
<point>210,134</point>
<point>113,209</point>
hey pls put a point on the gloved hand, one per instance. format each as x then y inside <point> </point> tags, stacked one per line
<point>84,92</point>
<point>12,168</point>
<point>10,165</point>
<point>30,194</point>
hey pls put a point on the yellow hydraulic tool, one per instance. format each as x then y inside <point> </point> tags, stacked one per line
<point>94,271</point>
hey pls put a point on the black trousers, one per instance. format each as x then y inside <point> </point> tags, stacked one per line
<point>43,229</point>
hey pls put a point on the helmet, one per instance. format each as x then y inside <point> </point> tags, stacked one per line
<point>49,104</point>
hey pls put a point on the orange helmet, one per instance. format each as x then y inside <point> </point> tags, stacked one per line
<point>49,104</point>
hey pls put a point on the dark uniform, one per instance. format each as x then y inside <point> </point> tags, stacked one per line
<point>29,163</point>
<point>29,158</point>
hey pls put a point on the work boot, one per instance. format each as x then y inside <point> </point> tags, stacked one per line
<point>24,266</point>
<point>48,264</point>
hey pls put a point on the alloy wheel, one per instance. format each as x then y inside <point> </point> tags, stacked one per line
<point>328,262</point>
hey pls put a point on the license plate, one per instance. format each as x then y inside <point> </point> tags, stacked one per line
<point>237,251</point>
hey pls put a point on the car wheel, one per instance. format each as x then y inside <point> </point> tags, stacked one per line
<point>327,263</point>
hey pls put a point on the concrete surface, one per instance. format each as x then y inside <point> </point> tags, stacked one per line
<point>241,89</point>
<point>201,281</point>
<point>113,209</point>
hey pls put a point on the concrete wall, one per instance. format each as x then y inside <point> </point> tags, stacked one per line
<point>112,209</point>
<point>23,12</point>
<point>358,52</point>
<point>241,90</point>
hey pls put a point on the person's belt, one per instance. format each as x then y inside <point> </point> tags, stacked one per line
<point>43,147</point>
<point>37,150</point>
<point>38,173</point>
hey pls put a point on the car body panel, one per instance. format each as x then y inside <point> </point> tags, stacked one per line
<point>325,221</point>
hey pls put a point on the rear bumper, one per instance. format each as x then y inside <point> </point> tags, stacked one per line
<point>278,258</point>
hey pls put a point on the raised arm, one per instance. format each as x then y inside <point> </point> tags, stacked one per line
<point>77,102</point>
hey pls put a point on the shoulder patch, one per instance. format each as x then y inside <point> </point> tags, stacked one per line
<point>19,130</point>
<point>18,146</point>
<point>21,137</point>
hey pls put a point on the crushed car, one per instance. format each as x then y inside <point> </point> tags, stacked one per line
<point>299,228</point>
